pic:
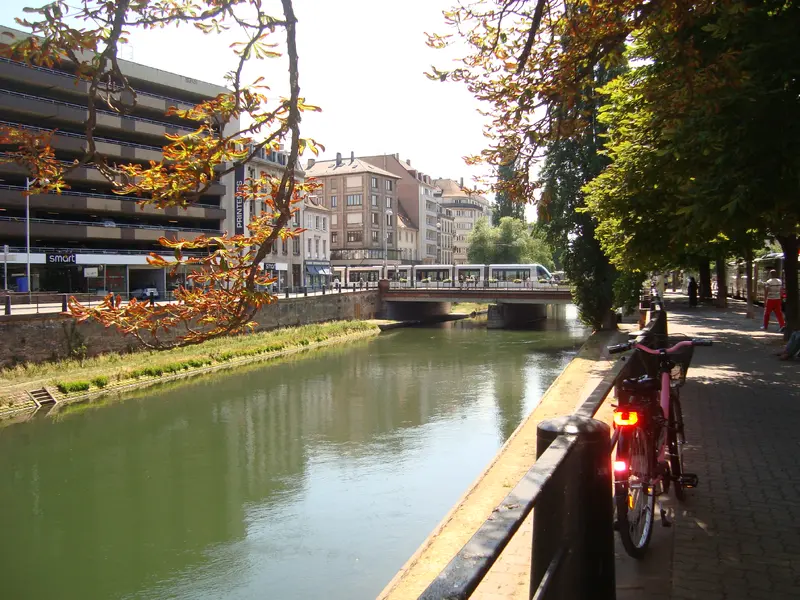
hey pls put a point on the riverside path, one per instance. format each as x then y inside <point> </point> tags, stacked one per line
<point>736,535</point>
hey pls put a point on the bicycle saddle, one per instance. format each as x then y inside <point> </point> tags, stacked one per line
<point>645,383</point>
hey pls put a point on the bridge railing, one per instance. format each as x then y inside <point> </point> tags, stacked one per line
<point>569,490</point>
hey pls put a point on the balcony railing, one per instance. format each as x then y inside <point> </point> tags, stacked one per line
<point>99,111</point>
<point>67,75</point>
<point>21,188</point>
<point>101,224</point>
<point>61,132</point>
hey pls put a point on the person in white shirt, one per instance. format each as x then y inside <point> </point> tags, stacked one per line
<point>772,299</point>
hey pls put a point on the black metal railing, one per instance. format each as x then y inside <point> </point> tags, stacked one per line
<point>569,490</point>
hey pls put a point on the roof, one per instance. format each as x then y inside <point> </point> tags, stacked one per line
<point>404,219</point>
<point>310,202</point>
<point>327,168</point>
<point>450,188</point>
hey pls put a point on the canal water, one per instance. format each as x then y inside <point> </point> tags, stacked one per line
<point>311,478</point>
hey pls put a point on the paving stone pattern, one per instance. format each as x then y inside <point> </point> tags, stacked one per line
<point>737,535</point>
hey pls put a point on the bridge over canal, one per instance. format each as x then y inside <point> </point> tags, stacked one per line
<point>509,304</point>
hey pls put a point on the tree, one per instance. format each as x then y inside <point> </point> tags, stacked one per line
<point>707,163</point>
<point>512,242</point>
<point>504,206</point>
<point>225,293</point>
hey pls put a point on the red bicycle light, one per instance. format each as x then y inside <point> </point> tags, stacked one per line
<point>625,418</point>
<point>620,466</point>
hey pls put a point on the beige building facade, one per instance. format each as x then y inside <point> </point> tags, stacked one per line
<point>407,239</point>
<point>465,209</point>
<point>415,194</point>
<point>362,203</point>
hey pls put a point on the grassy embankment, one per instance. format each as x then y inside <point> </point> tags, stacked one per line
<point>76,377</point>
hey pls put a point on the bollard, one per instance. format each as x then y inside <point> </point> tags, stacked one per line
<point>305,291</point>
<point>323,290</point>
<point>8,305</point>
<point>64,303</point>
<point>575,514</point>
<point>152,299</point>
<point>287,291</point>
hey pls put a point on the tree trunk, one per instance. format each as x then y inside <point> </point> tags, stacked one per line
<point>705,279</point>
<point>722,284</point>
<point>609,321</point>
<point>748,292</point>
<point>789,246</point>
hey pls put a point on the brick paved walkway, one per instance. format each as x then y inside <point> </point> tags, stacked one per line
<point>737,535</point>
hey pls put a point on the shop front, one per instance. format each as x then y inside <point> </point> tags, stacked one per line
<point>317,274</point>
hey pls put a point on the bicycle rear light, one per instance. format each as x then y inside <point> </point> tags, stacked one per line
<point>620,466</point>
<point>625,418</point>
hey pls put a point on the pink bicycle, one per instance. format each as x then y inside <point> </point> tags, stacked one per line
<point>648,425</point>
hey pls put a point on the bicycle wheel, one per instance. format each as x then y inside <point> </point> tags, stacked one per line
<point>675,442</point>
<point>634,499</point>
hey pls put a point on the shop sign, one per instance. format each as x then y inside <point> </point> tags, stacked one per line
<point>238,201</point>
<point>60,258</point>
<point>269,266</point>
<point>90,272</point>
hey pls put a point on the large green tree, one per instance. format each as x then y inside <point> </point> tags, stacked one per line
<point>504,205</point>
<point>705,147</point>
<point>511,242</point>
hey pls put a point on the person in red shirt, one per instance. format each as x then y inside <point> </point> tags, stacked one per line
<point>772,300</point>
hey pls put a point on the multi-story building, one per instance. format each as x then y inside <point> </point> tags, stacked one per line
<point>89,239</point>
<point>466,209</point>
<point>407,241</point>
<point>415,193</point>
<point>362,199</point>
<point>445,228</point>
<point>316,242</point>
<point>285,261</point>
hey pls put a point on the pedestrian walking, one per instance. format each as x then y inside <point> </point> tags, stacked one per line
<point>772,300</point>
<point>692,291</point>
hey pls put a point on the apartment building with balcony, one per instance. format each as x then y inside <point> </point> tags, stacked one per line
<point>445,230</point>
<point>285,261</point>
<point>89,239</point>
<point>466,209</point>
<point>415,194</point>
<point>362,200</point>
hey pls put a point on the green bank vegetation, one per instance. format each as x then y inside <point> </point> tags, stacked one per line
<point>74,376</point>
<point>469,307</point>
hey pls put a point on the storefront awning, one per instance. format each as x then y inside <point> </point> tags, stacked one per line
<point>325,271</point>
<point>312,269</point>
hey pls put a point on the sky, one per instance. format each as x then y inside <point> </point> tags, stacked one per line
<point>363,63</point>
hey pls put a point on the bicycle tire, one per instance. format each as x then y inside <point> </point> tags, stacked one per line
<point>635,497</point>
<point>675,441</point>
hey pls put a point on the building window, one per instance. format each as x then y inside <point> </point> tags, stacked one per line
<point>296,246</point>
<point>309,221</point>
<point>317,223</point>
<point>354,200</point>
<point>354,236</point>
<point>374,183</point>
<point>388,202</point>
<point>355,218</point>
<point>309,247</point>
<point>389,185</point>
<point>375,218</point>
<point>353,181</point>
<point>324,250</point>
<point>374,199</point>
<point>388,220</point>
<point>275,248</point>
<point>334,202</point>
<point>316,247</point>
<point>285,247</point>
<point>334,238</point>
<point>324,223</point>
<point>389,238</point>
<point>334,220</point>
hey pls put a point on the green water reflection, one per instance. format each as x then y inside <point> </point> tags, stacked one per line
<point>313,478</point>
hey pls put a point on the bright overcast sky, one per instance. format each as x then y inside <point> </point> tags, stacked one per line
<point>362,61</point>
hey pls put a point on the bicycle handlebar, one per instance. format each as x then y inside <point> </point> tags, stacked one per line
<point>682,344</point>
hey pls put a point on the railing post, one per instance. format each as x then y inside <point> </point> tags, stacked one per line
<point>575,521</point>
<point>287,291</point>
<point>64,303</point>
<point>8,305</point>
<point>305,291</point>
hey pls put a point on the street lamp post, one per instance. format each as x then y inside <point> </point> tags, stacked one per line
<point>388,214</point>
<point>28,237</point>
